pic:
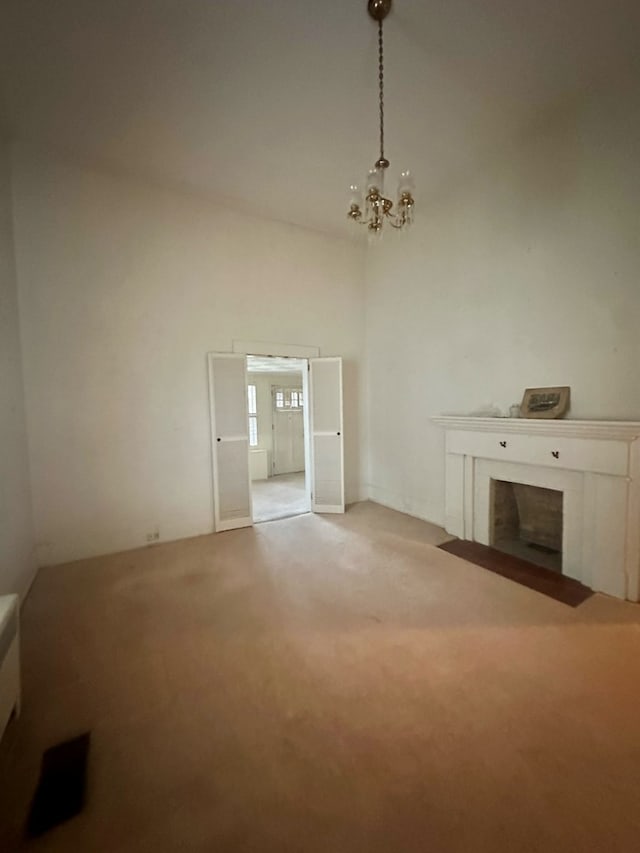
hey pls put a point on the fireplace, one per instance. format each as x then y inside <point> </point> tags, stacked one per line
<point>526,521</point>
<point>588,473</point>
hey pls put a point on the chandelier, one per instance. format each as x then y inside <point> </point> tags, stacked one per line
<point>377,208</point>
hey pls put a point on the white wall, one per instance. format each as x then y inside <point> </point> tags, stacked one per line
<point>17,564</point>
<point>526,275</point>
<point>123,289</point>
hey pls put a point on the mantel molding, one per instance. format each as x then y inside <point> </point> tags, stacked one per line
<point>612,430</point>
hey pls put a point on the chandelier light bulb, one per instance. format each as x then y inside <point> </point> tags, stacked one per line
<point>356,195</point>
<point>406,182</point>
<point>375,180</point>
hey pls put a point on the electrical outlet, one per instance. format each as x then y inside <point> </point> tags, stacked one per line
<point>153,537</point>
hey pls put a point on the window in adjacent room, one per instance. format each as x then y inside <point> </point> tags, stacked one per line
<point>252,408</point>
<point>288,398</point>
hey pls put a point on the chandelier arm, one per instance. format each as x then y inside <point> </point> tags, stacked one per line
<point>397,218</point>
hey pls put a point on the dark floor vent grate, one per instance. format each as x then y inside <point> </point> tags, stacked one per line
<point>61,790</point>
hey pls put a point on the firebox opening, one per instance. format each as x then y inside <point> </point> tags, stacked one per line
<point>527,523</point>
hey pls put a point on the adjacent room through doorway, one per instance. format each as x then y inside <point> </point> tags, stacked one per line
<point>278,436</point>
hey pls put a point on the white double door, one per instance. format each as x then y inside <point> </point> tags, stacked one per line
<point>230,438</point>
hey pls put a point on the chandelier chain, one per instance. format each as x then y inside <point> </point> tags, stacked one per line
<point>381,86</point>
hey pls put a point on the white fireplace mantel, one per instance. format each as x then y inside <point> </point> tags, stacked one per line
<point>615,430</point>
<point>595,464</point>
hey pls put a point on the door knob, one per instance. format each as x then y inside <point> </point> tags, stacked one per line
<point>503,444</point>
<point>555,454</point>
<point>219,439</point>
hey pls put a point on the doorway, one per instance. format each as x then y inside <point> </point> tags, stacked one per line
<point>238,460</point>
<point>278,436</point>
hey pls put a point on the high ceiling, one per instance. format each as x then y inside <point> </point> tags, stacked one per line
<point>271,106</point>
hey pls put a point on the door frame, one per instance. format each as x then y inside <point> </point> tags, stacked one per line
<point>284,350</point>
<point>281,350</point>
<point>306,422</point>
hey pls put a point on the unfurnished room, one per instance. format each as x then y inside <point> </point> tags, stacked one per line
<point>320,426</point>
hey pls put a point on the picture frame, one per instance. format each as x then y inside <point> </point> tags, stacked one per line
<point>546,402</point>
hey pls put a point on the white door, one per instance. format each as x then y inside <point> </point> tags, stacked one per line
<point>288,430</point>
<point>230,441</point>
<point>327,453</point>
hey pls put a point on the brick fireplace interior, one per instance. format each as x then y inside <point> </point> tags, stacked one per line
<point>527,523</point>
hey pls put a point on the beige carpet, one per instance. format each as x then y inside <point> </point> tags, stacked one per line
<point>279,497</point>
<point>330,685</point>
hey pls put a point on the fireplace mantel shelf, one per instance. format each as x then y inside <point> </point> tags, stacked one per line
<point>612,430</point>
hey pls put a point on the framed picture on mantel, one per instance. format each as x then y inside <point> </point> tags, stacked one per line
<point>545,402</point>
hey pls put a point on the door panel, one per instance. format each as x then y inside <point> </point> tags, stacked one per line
<point>326,378</point>
<point>230,441</point>
<point>297,441</point>
<point>288,441</point>
<point>328,469</point>
<point>233,499</point>
<point>327,440</point>
<point>231,414</point>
